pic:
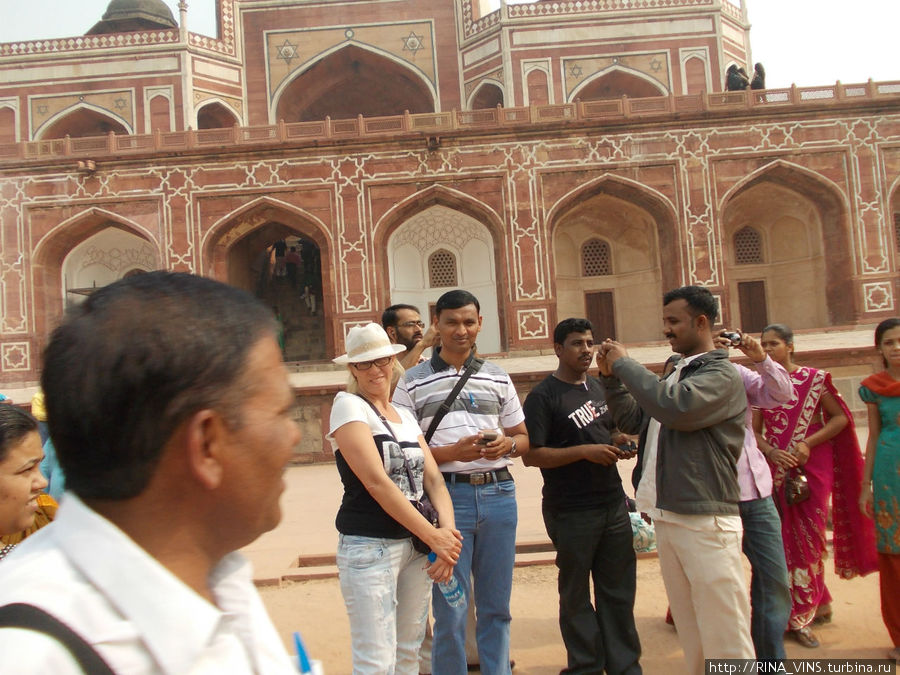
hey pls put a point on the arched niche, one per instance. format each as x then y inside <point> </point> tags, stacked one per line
<point>241,250</point>
<point>440,233</point>
<point>616,83</point>
<point>104,257</point>
<point>640,235</point>
<point>488,95</point>
<point>216,115</point>
<point>801,220</point>
<point>61,260</point>
<point>7,125</point>
<point>353,81</point>
<point>538,86</point>
<point>160,117</point>
<point>695,75</point>
<point>81,122</point>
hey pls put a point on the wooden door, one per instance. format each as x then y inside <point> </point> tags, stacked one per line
<point>600,311</point>
<point>752,303</point>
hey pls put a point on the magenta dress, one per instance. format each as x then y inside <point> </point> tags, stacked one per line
<point>834,469</point>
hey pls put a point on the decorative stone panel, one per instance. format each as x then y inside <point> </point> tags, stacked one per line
<point>15,356</point>
<point>533,324</point>
<point>878,296</point>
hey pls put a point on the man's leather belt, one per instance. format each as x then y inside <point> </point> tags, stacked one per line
<point>480,477</point>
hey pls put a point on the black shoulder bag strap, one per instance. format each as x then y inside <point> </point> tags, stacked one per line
<point>390,430</point>
<point>473,366</point>
<point>29,617</point>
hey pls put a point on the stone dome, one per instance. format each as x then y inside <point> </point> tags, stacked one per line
<point>128,15</point>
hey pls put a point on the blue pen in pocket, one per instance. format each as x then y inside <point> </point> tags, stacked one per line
<point>302,656</point>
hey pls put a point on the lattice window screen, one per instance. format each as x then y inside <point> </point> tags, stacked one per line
<point>748,247</point>
<point>596,259</point>
<point>442,269</point>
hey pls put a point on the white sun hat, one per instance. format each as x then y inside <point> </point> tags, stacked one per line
<point>367,343</point>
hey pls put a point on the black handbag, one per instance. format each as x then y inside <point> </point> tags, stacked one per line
<point>423,506</point>
<point>796,488</point>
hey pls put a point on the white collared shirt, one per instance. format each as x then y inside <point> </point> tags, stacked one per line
<point>133,611</point>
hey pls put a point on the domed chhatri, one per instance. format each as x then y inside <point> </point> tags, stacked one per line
<point>128,15</point>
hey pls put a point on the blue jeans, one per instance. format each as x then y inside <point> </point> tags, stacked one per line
<point>385,589</point>
<point>596,544</point>
<point>770,593</point>
<point>486,515</point>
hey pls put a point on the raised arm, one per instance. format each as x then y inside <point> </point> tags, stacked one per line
<point>691,404</point>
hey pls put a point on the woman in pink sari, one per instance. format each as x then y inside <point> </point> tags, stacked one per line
<point>813,435</point>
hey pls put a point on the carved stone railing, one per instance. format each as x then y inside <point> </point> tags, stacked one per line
<point>610,111</point>
<point>224,44</point>
<point>566,7</point>
<point>86,42</point>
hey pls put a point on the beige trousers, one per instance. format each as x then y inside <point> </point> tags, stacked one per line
<point>704,578</point>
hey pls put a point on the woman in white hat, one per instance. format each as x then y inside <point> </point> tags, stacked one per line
<point>384,464</point>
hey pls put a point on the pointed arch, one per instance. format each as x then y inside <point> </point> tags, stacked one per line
<point>456,200</point>
<point>213,112</point>
<point>780,169</point>
<point>50,253</point>
<point>488,94</point>
<point>654,239</point>
<point>445,196</point>
<point>830,203</point>
<point>248,229</point>
<point>230,228</point>
<point>82,115</point>
<point>617,81</point>
<point>409,81</point>
<point>72,231</point>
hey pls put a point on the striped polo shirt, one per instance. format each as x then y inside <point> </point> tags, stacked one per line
<point>488,400</point>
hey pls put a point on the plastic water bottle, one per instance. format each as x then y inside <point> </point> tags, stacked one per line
<point>453,592</point>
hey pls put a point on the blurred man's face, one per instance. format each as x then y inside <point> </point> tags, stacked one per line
<point>261,445</point>
<point>409,329</point>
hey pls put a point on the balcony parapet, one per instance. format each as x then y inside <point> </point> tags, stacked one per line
<point>89,42</point>
<point>612,112</point>
<point>533,10</point>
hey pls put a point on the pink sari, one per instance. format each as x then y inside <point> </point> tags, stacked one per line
<point>833,466</point>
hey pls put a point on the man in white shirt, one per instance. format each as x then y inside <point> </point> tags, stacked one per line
<point>170,409</point>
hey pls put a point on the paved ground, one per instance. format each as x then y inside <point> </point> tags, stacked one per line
<point>315,607</point>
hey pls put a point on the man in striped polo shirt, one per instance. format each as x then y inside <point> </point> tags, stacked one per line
<point>473,443</point>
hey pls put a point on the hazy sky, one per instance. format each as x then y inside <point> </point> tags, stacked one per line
<point>807,42</point>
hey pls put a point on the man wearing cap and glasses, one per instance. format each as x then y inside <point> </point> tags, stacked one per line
<point>479,427</point>
<point>404,326</point>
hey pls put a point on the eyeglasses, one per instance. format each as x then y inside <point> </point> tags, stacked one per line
<point>411,324</point>
<point>380,363</point>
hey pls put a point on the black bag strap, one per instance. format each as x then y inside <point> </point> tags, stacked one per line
<point>29,617</point>
<point>473,365</point>
<point>390,429</point>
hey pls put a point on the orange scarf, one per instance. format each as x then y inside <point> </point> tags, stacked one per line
<point>882,384</point>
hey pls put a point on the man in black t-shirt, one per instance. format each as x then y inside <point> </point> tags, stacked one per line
<point>569,429</point>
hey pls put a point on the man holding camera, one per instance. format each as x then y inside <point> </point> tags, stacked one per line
<point>692,424</point>
<point>569,428</point>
